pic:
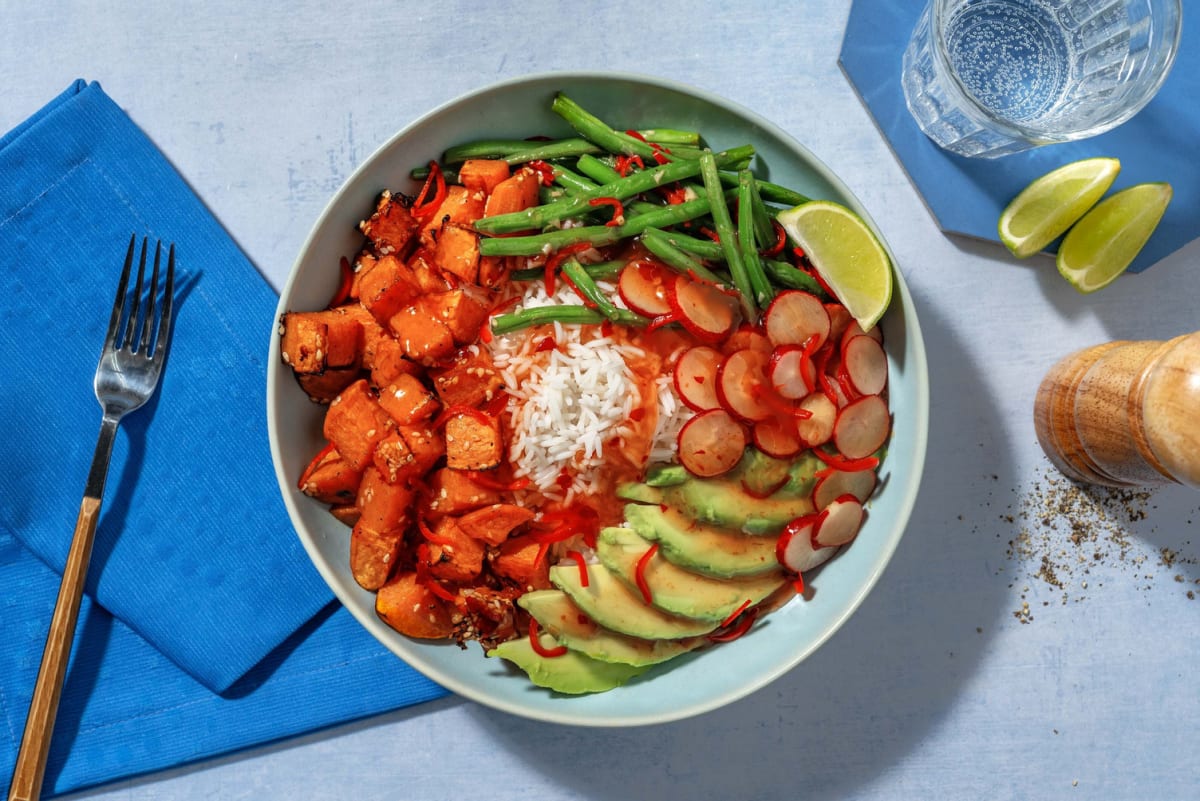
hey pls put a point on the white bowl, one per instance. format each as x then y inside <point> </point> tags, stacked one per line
<point>694,683</point>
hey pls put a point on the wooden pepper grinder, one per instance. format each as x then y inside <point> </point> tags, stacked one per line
<point>1124,414</point>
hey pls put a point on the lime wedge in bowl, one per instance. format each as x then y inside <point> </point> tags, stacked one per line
<point>1052,203</point>
<point>846,254</point>
<point>1100,246</point>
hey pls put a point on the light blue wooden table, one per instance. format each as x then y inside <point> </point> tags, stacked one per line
<point>943,685</point>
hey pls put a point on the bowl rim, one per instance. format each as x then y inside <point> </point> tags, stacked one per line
<point>563,714</point>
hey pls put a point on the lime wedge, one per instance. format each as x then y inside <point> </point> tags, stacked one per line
<point>1050,204</point>
<point>846,254</point>
<point>1099,247</point>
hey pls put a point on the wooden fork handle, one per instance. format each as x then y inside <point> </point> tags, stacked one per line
<point>39,725</point>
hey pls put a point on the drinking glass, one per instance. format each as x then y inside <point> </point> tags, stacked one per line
<point>991,77</point>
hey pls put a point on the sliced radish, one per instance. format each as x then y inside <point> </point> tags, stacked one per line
<point>794,548</point>
<point>856,330</point>
<point>742,384</point>
<point>835,483</point>
<point>776,436</point>
<point>865,363</point>
<point>711,443</point>
<point>747,336</point>
<point>838,523</point>
<point>696,378</point>
<point>643,286</point>
<point>818,427</point>
<point>702,309</point>
<point>839,320</point>
<point>792,372</point>
<point>794,316</point>
<point>862,427</point>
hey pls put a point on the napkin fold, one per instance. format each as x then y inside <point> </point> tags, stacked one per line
<point>966,195</point>
<point>205,627</point>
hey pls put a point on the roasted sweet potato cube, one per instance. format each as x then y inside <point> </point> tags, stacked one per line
<point>495,523</point>
<point>394,459</point>
<point>462,206</point>
<point>424,338</point>
<point>473,443</point>
<point>426,444</point>
<point>355,423</point>
<point>331,479</point>
<point>388,362</point>
<point>469,379</point>
<point>408,400</point>
<point>425,272</point>
<point>311,342</point>
<point>454,556</point>
<point>347,514</point>
<point>483,174</point>
<point>387,288</point>
<point>457,251</point>
<point>373,554</point>
<point>462,313</point>
<point>516,193</point>
<point>391,227</point>
<point>324,387</point>
<point>522,561</point>
<point>452,492</point>
<point>408,606</point>
<point>384,505</point>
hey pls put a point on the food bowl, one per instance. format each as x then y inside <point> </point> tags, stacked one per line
<point>694,683</point>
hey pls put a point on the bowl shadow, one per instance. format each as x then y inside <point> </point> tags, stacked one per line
<point>824,729</point>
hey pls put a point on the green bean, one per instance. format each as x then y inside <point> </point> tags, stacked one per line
<point>787,275</point>
<point>572,315</point>
<point>704,248</point>
<point>516,151</point>
<point>671,136</point>
<point>764,230</point>
<point>660,217</point>
<point>539,216</point>
<point>728,237</point>
<point>772,192</point>
<point>600,271</point>
<point>745,240</point>
<point>597,170</point>
<point>582,281</point>
<point>594,129</point>
<point>659,243</point>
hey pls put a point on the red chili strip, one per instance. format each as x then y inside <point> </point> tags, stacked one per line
<point>497,404</point>
<point>485,330</point>
<point>427,581</point>
<point>618,208</point>
<point>639,573</point>
<point>346,281</point>
<point>455,409</point>
<point>660,153</point>
<point>839,462</point>
<point>733,615</point>
<point>587,302</point>
<point>675,194</point>
<point>312,466</point>
<point>623,164</point>
<point>661,320</point>
<point>429,534</point>
<point>583,570</point>
<point>557,258</point>
<point>544,170</point>
<point>636,135</point>
<point>556,534</point>
<point>798,584</point>
<point>425,206</point>
<point>737,631</point>
<point>780,240</point>
<point>490,482</point>
<point>539,557</point>
<point>545,344</point>
<point>536,643</point>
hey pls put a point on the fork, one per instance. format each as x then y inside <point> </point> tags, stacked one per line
<point>126,378</point>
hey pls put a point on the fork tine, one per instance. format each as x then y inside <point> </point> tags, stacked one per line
<point>131,325</point>
<point>110,337</point>
<point>164,323</point>
<point>148,320</point>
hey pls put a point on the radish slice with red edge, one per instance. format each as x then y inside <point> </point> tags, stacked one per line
<point>835,483</point>
<point>643,286</point>
<point>818,427</point>
<point>703,310</point>
<point>794,316</point>
<point>776,436</point>
<point>839,321</point>
<point>696,378</point>
<point>711,443</point>
<point>794,548</point>
<point>792,372</point>
<point>741,384</point>
<point>862,427</point>
<point>839,523</point>
<point>856,330</point>
<point>865,364</point>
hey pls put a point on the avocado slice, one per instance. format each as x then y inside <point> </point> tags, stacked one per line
<point>571,674</point>
<point>666,475</point>
<point>705,549</point>
<point>613,605</point>
<point>679,591</point>
<point>639,493</point>
<point>726,504</point>
<point>558,615</point>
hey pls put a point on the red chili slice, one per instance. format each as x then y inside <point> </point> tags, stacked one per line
<point>484,480</point>
<point>639,573</point>
<point>536,643</point>
<point>545,171</point>
<point>312,466</point>
<point>618,208</point>
<point>557,258</point>
<point>737,631</point>
<point>425,206</point>
<point>429,534</point>
<point>455,409</point>
<point>344,284</point>
<point>583,571</point>
<point>839,462</point>
<point>733,615</point>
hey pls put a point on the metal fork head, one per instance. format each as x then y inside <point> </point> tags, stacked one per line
<point>135,346</point>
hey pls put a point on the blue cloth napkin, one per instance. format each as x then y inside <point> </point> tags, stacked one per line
<point>967,195</point>
<point>205,627</point>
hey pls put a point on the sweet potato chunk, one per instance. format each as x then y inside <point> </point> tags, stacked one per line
<point>455,556</point>
<point>384,506</point>
<point>424,338</point>
<point>452,492</point>
<point>406,605</point>
<point>427,446</point>
<point>469,379</point>
<point>493,524</point>
<point>373,554</point>
<point>426,273</point>
<point>483,174</point>
<point>463,314</point>
<point>457,251</point>
<point>331,479</point>
<point>388,362</point>
<point>391,227</point>
<point>516,193</point>
<point>355,423</point>
<point>472,444</point>
<point>462,206</point>
<point>315,341</point>
<point>324,387</point>
<point>518,560</point>
<point>394,459</point>
<point>387,288</point>
<point>408,400</point>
